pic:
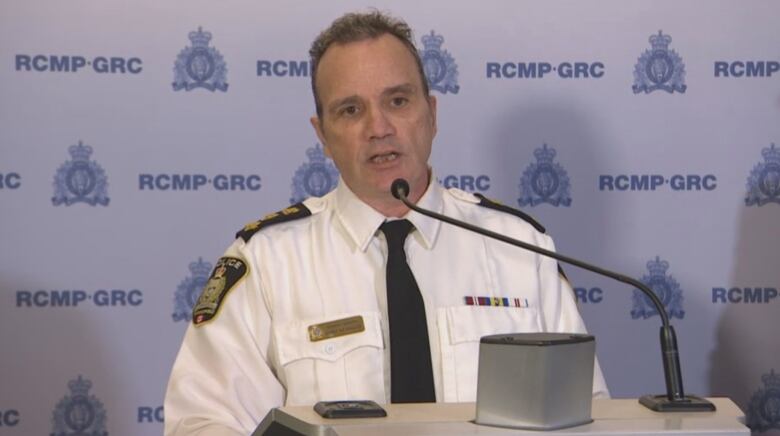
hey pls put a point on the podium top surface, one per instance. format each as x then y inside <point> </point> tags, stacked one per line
<point>612,417</point>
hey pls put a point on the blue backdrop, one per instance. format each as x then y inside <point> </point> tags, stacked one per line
<point>137,137</point>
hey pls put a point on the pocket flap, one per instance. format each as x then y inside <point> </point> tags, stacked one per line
<point>294,343</point>
<point>470,323</point>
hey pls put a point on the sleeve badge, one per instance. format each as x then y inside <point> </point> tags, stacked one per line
<point>227,272</point>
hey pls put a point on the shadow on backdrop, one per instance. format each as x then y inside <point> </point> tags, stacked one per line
<point>748,334</point>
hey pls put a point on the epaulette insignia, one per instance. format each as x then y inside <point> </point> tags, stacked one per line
<point>227,272</point>
<point>291,213</point>
<point>484,201</point>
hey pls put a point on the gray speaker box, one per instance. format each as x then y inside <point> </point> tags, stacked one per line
<point>535,381</point>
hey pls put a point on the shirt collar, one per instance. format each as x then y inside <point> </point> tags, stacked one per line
<point>361,221</point>
<point>428,227</point>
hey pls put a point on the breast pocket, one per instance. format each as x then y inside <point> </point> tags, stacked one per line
<point>338,368</point>
<point>460,329</point>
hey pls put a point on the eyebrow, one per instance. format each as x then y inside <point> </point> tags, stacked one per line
<point>404,88</point>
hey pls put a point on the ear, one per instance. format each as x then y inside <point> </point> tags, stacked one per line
<point>317,125</point>
<point>432,106</point>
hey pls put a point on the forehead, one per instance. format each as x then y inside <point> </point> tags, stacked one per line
<point>365,66</point>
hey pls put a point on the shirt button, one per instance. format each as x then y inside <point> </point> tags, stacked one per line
<point>329,349</point>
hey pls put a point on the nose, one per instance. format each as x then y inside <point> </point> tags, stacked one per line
<point>379,124</point>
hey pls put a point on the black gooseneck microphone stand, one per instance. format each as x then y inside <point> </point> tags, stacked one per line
<point>675,399</point>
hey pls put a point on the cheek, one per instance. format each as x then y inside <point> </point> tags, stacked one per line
<point>344,156</point>
<point>426,132</point>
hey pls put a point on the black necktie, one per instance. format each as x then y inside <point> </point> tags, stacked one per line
<point>411,373</point>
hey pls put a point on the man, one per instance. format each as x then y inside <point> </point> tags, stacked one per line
<point>305,306</point>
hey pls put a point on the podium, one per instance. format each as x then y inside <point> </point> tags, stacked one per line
<point>615,417</point>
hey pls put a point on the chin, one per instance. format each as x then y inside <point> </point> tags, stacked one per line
<point>384,187</point>
<point>386,180</point>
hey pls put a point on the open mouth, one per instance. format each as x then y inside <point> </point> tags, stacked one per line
<point>384,158</point>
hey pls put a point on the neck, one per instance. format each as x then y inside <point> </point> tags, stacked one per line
<point>392,207</point>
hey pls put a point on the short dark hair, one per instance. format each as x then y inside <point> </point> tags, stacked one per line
<point>354,27</point>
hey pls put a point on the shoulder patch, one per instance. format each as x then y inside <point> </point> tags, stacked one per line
<point>291,213</point>
<point>227,272</point>
<point>490,204</point>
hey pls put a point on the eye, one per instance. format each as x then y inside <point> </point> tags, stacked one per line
<point>399,101</point>
<point>349,111</point>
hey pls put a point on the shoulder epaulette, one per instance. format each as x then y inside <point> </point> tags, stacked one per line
<point>291,213</point>
<point>485,202</point>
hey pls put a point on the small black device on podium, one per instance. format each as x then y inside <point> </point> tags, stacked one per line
<point>349,409</point>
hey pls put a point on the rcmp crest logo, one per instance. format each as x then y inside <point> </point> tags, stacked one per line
<point>80,180</point>
<point>665,287</point>
<point>764,411</point>
<point>545,181</point>
<point>659,68</point>
<point>189,289</point>
<point>200,66</point>
<point>439,66</point>
<point>314,178</point>
<point>763,184</point>
<point>79,414</point>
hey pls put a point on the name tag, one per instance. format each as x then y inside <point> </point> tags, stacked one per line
<point>334,329</point>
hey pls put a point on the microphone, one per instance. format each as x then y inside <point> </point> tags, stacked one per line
<point>675,399</point>
<point>400,189</point>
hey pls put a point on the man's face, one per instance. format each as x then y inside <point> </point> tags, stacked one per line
<point>376,125</point>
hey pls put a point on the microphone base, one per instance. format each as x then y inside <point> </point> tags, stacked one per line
<point>689,403</point>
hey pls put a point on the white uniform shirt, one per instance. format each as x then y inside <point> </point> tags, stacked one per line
<point>256,353</point>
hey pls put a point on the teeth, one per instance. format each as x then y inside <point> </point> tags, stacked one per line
<point>384,158</point>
